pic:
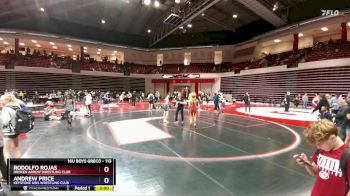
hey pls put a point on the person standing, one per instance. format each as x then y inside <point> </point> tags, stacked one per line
<point>246,99</point>
<point>69,107</point>
<point>216,102</point>
<point>88,102</point>
<point>150,99</point>
<point>305,100</point>
<point>166,108</point>
<point>341,120</point>
<point>142,96</point>
<point>8,118</point>
<point>335,103</point>
<point>133,98</point>
<point>287,102</point>
<point>180,102</point>
<point>106,98</point>
<point>192,109</point>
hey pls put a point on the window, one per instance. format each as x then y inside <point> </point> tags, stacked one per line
<point>160,59</point>
<point>217,57</point>
<point>187,58</point>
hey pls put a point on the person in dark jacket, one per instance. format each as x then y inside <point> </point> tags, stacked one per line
<point>246,99</point>
<point>180,104</point>
<point>133,98</point>
<point>216,102</point>
<point>323,108</point>
<point>341,120</point>
<point>69,107</point>
<point>287,102</point>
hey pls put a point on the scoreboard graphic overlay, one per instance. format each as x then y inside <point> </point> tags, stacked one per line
<point>75,174</point>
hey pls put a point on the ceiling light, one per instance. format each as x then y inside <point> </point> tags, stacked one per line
<point>99,49</point>
<point>37,45</point>
<point>54,47</point>
<point>85,48</point>
<point>115,51</point>
<point>34,41</point>
<point>149,31</point>
<point>113,54</point>
<point>52,43</point>
<point>349,24</point>
<point>156,3</point>
<point>42,9</point>
<point>103,21</point>
<point>181,27</point>
<point>275,6</point>
<point>98,52</point>
<point>324,29</point>
<point>300,35</point>
<point>85,51</point>
<point>234,16</point>
<point>277,40</point>
<point>189,25</point>
<point>177,1</point>
<point>69,46</point>
<point>203,14</point>
<point>1,39</point>
<point>6,43</point>
<point>147,2</point>
<point>70,49</point>
<point>22,44</point>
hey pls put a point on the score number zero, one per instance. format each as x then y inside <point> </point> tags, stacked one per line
<point>106,170</point>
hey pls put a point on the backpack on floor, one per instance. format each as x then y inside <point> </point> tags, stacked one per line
<point>24,120</point>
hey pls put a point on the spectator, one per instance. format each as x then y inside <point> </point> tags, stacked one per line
<point>246,99</point>
<point>50,112</point>
<point>88,102</point>
<point>325,164</point>
<point>305,100</point>
<point>8,117</point>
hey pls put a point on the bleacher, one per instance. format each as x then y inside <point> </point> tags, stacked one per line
<point>141,69</point>
<point>274,85</point>
<point>199,68</point>
<point>332,50</point>
<point>104,67</point>
<point>6,59</point>
<point>167,69</point>
<point>44,83</point>
<point>34,61</point>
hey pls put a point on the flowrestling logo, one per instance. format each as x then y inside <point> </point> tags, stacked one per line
<point>330,12</point>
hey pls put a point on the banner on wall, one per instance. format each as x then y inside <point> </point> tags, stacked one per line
<point>181,76</point>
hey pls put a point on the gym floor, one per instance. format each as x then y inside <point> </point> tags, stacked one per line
<point>230,153</point>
